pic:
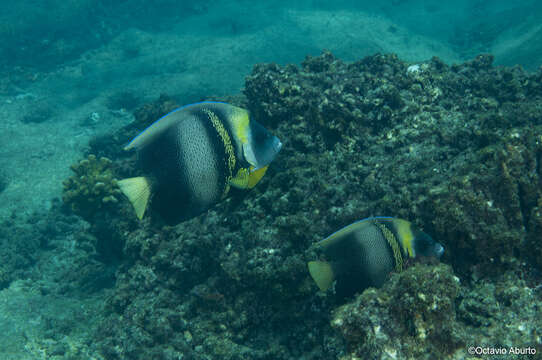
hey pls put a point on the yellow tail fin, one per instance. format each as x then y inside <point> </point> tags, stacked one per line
<point>322,273</point>
<point>138,191</point>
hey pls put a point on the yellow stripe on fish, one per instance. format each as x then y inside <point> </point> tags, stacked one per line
<point>228,148</point>
<point>394,244</point>
<point>404,231</point>
<point>241,123</point>
<point>248,178</point>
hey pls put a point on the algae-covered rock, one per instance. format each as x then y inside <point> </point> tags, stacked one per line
<point>20,244</point>
<point>426,313</point>
<point>92,188</point>
<point>92,193</point>
<point>412,316</point>
<point>489,211</point>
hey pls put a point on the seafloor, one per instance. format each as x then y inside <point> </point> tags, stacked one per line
<point>455,149</point>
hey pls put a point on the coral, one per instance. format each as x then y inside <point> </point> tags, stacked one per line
<point>490,209</point>
<point>92,193</point>
<point>92,188</point>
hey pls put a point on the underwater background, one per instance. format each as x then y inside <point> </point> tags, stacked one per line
<point>429,111</point>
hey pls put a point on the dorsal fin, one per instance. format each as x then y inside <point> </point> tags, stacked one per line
<point>163,123</point>
<point>158,127</point>
<point>340,234</point>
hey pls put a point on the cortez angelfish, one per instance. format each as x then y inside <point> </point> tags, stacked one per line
<point>191,156</point>
<point>364,253</point>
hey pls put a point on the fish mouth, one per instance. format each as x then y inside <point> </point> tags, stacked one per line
<point>275,149</point>
<point>439,250</point>
<point>277,145</point>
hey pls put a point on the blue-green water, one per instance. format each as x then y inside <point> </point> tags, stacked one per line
<point>75,75</point>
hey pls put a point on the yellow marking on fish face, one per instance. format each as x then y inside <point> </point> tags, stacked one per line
<point>240,121</point>
<point>256,175</point>
<point>406,237</point>
<point>242,179</point>
<point>228,148</point>
<point>248,178</point>
<point>394,244</point>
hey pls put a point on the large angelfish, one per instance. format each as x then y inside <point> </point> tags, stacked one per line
<point>191,156</point>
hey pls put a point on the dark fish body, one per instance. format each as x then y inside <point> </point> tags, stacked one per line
<point>192,156</point>
<point>364,253</point>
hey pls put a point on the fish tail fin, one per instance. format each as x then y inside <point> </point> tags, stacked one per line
<point>138,191</point>
<point>322,273</point>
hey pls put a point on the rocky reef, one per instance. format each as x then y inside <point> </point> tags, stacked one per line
<point>455,149</point>
<point>426,313</point>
